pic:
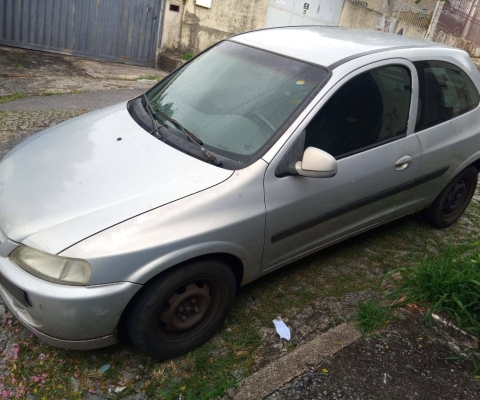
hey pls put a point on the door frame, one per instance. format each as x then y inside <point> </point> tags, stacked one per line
<point>309,113</point>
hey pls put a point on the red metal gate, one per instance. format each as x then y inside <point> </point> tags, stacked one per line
<point>462,18</point>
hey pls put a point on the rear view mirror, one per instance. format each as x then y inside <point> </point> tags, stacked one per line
<point>316,163</point>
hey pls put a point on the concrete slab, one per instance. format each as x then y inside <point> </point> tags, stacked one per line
<point>276,374</point>
<point>69,101</point>
<point>32,72</point>
<point>110,70</point>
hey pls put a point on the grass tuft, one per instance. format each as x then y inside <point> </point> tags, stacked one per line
<point>17,65</point>
<point>371,316</point>
<point>187,56</point>
<point>49,93</point>
<point>449,286</point>
<point>10,97</point>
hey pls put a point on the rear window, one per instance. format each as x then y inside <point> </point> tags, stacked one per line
<point>445,93</point>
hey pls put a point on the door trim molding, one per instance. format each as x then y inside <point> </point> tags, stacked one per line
<point>357,204</point>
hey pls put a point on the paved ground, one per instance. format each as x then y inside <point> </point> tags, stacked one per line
<point>406,361</point>
<point>30,72</point>
<point>86,100</point>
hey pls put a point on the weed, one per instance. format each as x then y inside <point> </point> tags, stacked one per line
<point>17,65</point>
<point>187,56</point>
<point>448,286</point>
<point>10,97</point>
<point>47,93</point>
<point>371,316</point>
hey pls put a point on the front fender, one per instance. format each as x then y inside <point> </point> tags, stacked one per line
<point>166,261</point>
<point>228,218</point>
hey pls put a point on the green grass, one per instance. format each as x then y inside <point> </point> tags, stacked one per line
<point>10,97</point>
<point>187,56</point>
<point>451,286</point>
<point>17,65</point>
<point>371,316</point>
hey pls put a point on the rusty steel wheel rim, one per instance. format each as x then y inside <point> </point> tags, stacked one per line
<point>187,310</point>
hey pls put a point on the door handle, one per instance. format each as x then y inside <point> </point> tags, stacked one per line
<point>403,163</point>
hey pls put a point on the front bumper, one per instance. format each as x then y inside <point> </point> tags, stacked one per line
<point>74,317</point>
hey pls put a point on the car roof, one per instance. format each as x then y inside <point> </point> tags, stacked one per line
<point>327,45</point>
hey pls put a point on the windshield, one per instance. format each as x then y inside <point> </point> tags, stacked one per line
<point>234,98</point>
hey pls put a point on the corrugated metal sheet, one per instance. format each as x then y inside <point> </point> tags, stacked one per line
<point>117,30</point>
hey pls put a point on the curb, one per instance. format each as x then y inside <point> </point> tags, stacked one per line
<point>276,374</point>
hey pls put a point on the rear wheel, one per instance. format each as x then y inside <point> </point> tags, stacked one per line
<point>453,200</point>
<point>181,309</point>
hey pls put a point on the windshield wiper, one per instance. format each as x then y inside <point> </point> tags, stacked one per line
<point>191,137</point>
<point>155,131</point>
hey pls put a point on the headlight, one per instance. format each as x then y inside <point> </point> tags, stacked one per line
<point>67,271</point>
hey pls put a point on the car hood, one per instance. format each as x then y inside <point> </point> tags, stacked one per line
<point>87,174</point>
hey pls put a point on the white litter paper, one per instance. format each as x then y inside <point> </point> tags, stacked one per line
<point>282,329</point>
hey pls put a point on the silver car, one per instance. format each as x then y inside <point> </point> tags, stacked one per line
<point>146,217</point>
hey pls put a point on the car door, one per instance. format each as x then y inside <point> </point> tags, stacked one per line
<point>366,122</point>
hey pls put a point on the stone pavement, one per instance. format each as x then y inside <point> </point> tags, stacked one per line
<point>30,72</point>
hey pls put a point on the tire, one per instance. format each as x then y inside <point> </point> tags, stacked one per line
<point>181,309</point>
<point>453,200</point>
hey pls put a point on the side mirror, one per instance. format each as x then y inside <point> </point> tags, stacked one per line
<point>316,163</point>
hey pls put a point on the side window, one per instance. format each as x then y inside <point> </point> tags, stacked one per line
<point>445,93</point>
<point>367,111</point>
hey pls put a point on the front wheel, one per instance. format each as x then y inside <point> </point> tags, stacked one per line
<point>181,309</point>
<point>453,200</point>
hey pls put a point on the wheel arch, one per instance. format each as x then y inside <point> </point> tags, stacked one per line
<point>234,262</point>
<point>476,164</point>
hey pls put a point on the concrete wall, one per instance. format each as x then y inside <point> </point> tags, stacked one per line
<point>471,48</point>
<point>410,30</point>
<point>202,27</point>
<point>426,5</point>
<point>172,24</point>
<point>356,16</point>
